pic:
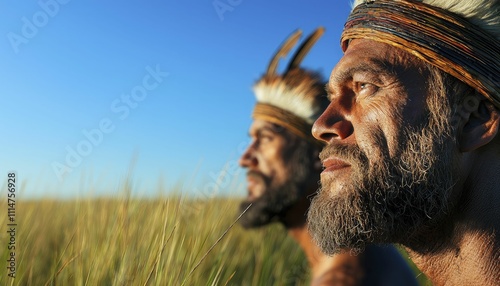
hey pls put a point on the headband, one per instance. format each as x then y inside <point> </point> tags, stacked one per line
<point>288,120</point>
<point>282,117</point>
<point>437,36</point>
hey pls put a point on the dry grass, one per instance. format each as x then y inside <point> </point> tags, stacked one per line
<point>141,242</point>
<point>146,242</point>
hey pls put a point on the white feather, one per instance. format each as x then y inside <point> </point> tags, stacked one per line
<point>290,99</point>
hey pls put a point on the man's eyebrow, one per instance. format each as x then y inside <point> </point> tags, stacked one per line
<point>373,66</point>
<point>260,130</point>
<point>377,67</point>
<point>264,129</point>
<point>329,90</point>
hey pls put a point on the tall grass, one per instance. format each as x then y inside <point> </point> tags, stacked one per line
<point>146,242</point>
<point>165,241</point>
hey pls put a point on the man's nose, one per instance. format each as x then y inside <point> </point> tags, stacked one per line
<point>332,125</point>
<point>248,158</point>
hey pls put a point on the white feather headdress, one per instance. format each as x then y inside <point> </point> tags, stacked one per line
<point>294,98</point>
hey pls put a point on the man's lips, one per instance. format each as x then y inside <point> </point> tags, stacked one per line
<point>333,164</point>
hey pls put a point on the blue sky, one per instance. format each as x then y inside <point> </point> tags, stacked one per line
<point>93,90</point>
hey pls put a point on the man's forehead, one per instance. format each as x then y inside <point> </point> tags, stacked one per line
<point>259,125</point>
<point>370,47</point>
<point>370,56</point>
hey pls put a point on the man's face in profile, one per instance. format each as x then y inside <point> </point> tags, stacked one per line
<point>389,163</point>
<point>274,183</point>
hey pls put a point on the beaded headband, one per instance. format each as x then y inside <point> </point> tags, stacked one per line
<point>437,36</point>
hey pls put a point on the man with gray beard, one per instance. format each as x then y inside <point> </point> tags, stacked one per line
<point>283,171</point>
<point>413,151</point>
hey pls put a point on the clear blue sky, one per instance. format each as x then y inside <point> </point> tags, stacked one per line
<point>70,67</point>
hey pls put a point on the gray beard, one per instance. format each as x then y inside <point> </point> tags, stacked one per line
<point>387,200</point>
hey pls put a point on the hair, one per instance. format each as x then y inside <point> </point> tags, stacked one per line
<point>483,13</point>
<point>447,87</point>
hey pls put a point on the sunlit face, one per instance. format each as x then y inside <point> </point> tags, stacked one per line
<point>278,171</point>
<point>389,160</point>
<point>264,158</point>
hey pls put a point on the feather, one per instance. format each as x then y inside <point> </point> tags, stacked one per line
<point>283,51</point>
<point>304,48</point>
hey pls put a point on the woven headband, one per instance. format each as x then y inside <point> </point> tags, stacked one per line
<point>288,120</point>
<point>439,37</point>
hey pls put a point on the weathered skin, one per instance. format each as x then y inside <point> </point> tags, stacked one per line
<point>370,93</point>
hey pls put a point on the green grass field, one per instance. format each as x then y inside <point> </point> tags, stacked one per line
<point>145,242</point>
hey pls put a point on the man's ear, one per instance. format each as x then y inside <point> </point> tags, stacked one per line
<point>481,126</point>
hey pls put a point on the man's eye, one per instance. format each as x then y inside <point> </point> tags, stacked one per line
<point>266,138</point>
<point>366,89</point>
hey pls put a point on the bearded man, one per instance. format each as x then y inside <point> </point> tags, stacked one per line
<point>283,172</point>
<point>413,151</point>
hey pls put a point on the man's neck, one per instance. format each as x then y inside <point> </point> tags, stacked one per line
<point>470,253</point>
<point>474,261</point>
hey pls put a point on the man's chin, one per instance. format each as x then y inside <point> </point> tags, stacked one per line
<point>252,218</point>
<point>334,189</point>
<point>335,227</point>
<point>270,206</point>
